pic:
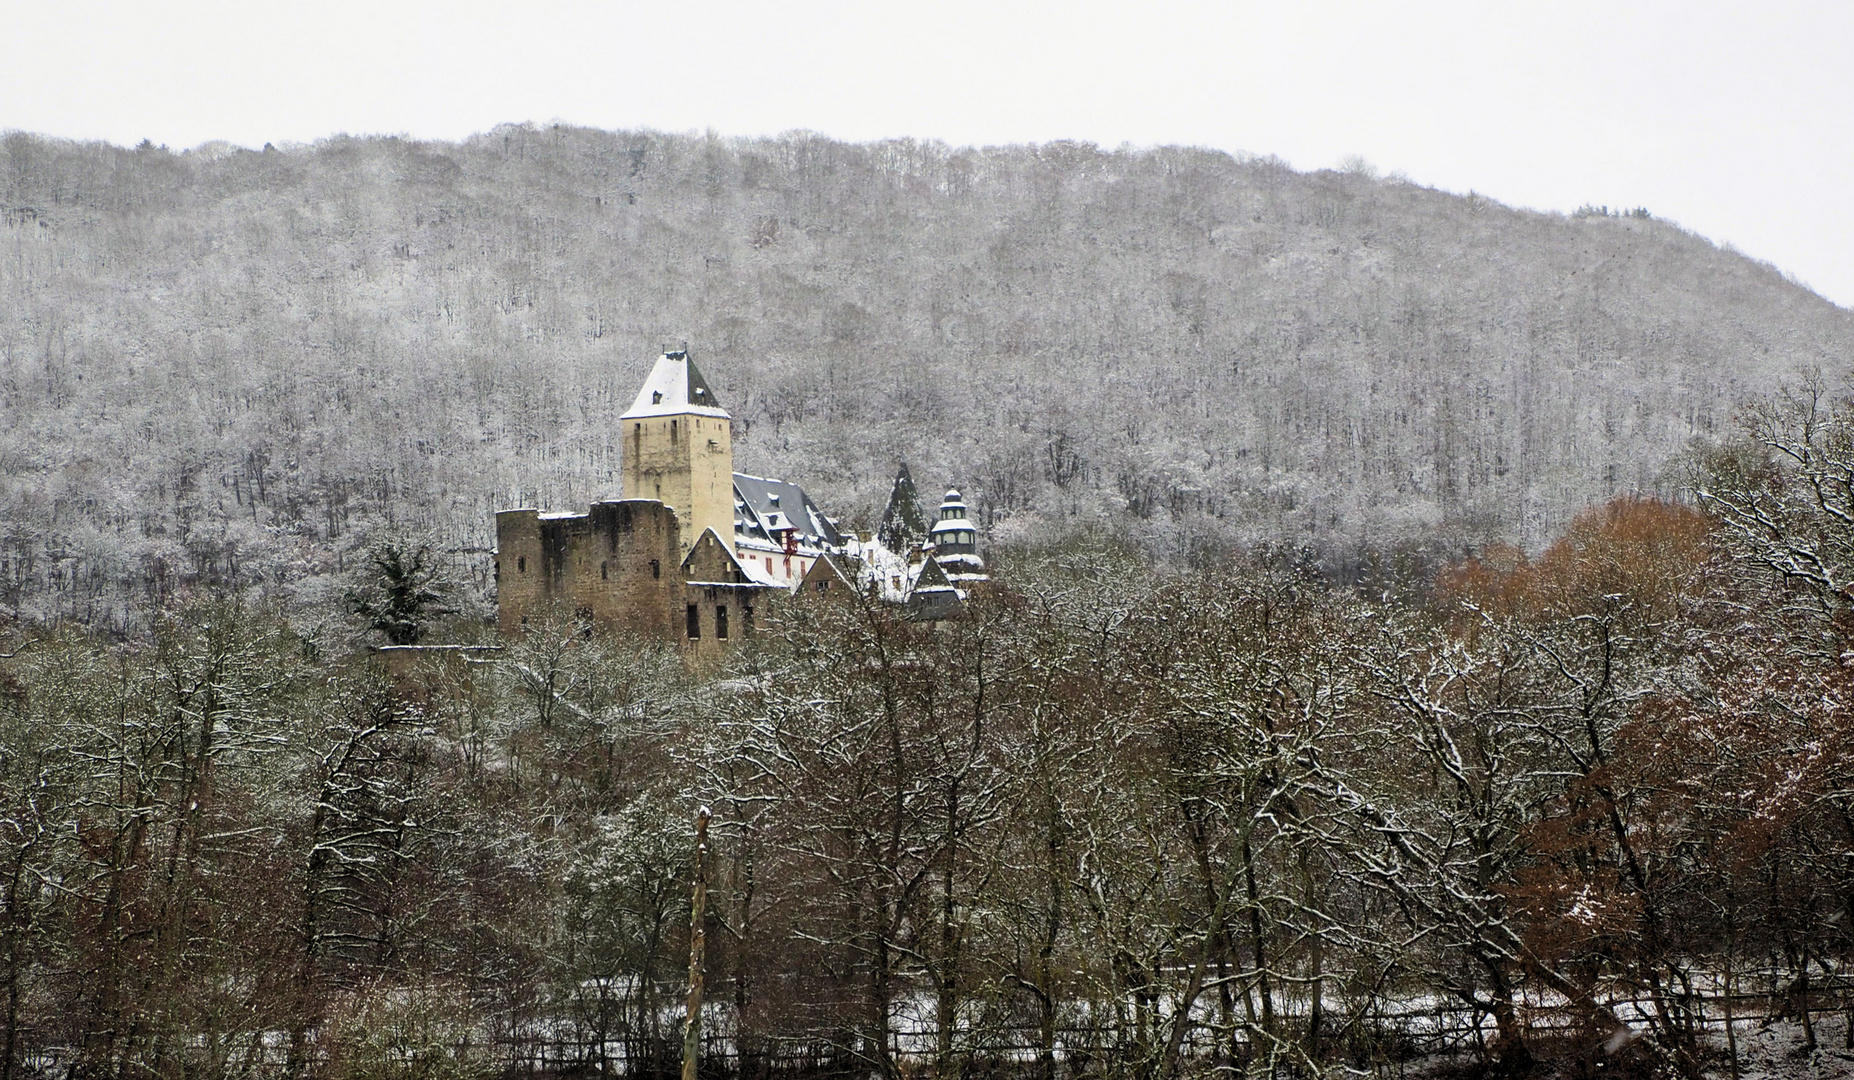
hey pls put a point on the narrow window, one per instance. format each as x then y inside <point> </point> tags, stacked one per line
<point>672,433</point>
<point>695,623</point>
<point>656,570</point>
<point>721,622</point>
<point>769,564</point>
<point>605,571</point>
<point>521,564</point>
<point>746,619</point>
<point>637,440</point>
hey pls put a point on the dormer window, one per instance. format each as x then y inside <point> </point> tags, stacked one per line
<point>656,397</point>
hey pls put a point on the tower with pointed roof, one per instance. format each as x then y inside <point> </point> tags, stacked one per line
<point>904,525</point>
<point>646,562</point>
<point>679,449</point>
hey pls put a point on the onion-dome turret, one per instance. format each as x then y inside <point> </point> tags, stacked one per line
<point>955,543</point>
<point>953,534</point>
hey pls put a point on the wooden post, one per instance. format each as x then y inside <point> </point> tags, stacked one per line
<point>692,1024</point>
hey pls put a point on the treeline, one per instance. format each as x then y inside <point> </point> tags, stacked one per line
<point>1586,812</point>
<point>236,366</point>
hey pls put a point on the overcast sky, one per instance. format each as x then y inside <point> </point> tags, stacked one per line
<point>1734,119</point>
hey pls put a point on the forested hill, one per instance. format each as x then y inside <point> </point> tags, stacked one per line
<point>242,364</point>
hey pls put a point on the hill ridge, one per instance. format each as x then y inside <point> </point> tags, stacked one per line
<point>238,364</point>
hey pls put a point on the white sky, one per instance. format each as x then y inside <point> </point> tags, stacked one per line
<point>1734,119</point>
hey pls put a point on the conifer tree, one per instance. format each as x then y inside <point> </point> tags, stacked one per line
<point>402,593</point>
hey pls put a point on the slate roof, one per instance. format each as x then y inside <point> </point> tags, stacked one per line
<point>903,521</point>
<point>934,596</point>
<point>762,507</point>
<point>675,388</point>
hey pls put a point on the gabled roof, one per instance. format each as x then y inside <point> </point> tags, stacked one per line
<point>724,568</point>
<point>675,388</point>
<point>825,569</point>
<point>932,578</point>
<point>766,507</point>
<point>934,596</point>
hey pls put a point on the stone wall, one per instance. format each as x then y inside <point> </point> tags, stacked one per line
<point>687,462</point>
<point>620,563</point>
<point>721,606</point>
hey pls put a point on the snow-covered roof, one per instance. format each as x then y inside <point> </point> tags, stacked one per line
<point>889,571</point>
<point>675,388</point>
<point>764,507</point>
<point>759,575</point>
<point>754,582</point>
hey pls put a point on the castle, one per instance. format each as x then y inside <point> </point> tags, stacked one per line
<point>695,551</point>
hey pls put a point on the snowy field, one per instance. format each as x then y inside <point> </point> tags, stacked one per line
<point>1766,1051</point>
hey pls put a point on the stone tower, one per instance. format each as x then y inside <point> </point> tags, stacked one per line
<point>679,449</point>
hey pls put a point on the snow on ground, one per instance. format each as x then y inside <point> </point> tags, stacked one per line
<point>1766,1051</point>
<point>1780,1051</point>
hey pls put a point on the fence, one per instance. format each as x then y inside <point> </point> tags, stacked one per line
<point>1386,1033</point>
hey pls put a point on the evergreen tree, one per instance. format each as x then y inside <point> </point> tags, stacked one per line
<point>402,592</point>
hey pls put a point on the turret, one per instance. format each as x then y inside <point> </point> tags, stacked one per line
<point>955,539</point>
